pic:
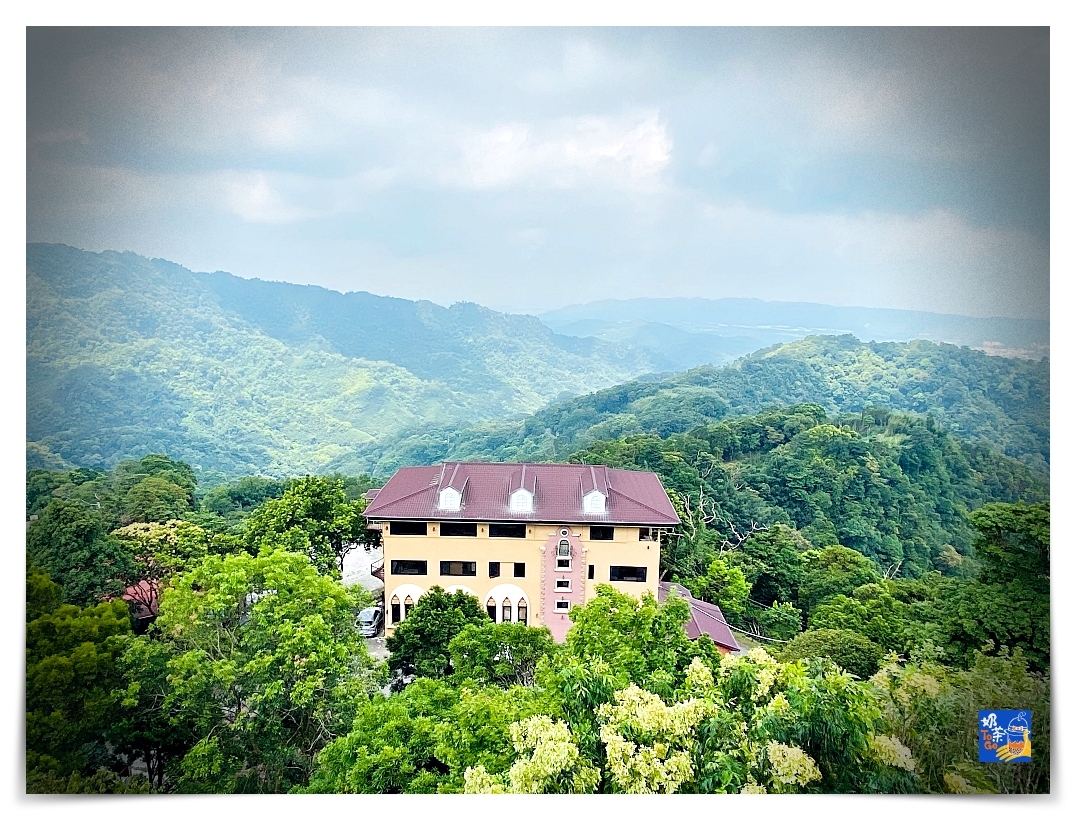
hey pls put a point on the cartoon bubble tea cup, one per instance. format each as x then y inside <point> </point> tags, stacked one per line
<point>1019,737</point>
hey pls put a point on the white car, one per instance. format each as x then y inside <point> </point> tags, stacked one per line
<point>370,621</point>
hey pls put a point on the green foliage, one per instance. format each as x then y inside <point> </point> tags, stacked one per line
<point>154,499</point>
<point>103,781</point>
<point>69,543</point>
<point>936,709</point>
<point>42,595</point>
<point>833,571</point>
<point>316,511</point>
<point>420,644</point>
<point>849,650</point>
<point>71,668</point>
<point>870,610</point>
<point>266,668</point>
<point>772,563</point>
<point>723,585</point>
<point>504,654</point>
<point>781,621</point>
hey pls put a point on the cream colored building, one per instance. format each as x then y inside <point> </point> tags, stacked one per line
<point>529,541</point>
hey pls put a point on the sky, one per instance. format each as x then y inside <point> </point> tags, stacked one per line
<point>529,169</point>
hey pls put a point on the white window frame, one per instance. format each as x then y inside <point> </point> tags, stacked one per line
<point>521,501</point>
<point>562,585</point>
<point>557,558</point>
<point>449,499</point>
<point>557,606</point>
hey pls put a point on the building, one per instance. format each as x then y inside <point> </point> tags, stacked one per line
<point>530,541</point>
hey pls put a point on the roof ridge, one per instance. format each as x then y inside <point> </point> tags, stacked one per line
<point>637,501</point>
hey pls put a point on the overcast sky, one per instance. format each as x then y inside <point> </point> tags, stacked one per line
<point>527,169</point>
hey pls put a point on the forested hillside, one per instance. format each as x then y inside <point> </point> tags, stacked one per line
<point>127,355</point>
<point>999,402</point>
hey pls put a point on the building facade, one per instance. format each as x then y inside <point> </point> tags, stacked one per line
<point>529,541</point>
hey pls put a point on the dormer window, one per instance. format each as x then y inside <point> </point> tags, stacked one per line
<point>521,501</point>
<point>594,502</point>
<point>449,499</point>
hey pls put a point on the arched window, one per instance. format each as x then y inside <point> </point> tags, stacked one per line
<point>409,604</point>
<point>395,609</point>
<point>491,609</point>
<point>564,554</point>
<point>506,611</point>
<point>521,611</point>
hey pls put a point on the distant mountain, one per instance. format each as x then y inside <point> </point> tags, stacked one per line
<point>998,402</point>
<point>690,332</point>
<point>127,355</point>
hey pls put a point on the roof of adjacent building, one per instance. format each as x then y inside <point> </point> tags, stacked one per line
<point>705,618</point>
<point>631,496</point>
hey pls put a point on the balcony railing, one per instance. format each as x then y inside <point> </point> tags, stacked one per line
<point>377,569</point>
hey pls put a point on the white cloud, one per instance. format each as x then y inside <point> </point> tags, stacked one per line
<point>617,152</point>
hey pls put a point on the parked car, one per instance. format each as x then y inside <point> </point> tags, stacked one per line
<point>370,621</point>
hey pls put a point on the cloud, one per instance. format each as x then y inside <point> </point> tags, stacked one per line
<point>617,152</point>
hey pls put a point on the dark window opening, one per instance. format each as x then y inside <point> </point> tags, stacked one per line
<point>491,609</point>
<point>459,528</point>
<point>408,606</point>
<point>648,534</point>
<point>519,569</point>
<point>627,573</point>
<point>459,568</point>
<point>395,612</point>
<point>507,530</point>
<point>407,528</point>
<point>590,572</point>
<point>601,533</point>
<point>494,569</point>
<point>564,563</point>
<point>407,567</point>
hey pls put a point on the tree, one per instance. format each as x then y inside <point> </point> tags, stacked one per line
<point>870,610</point>
<point>420,644</point>
<point>155,499</point>
<point>68,542</point>
<point>267,668</point>
<point>849,650</point>
<point>834,570</point>
<point>772,563</point>
<point>71,670</point>
<point>315,509</point>
<point>503,654</point>
<point>723,585</point>
<point>551,765</point>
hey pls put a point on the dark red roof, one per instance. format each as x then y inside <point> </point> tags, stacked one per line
<point>632,497</point>
<point>705,617</point>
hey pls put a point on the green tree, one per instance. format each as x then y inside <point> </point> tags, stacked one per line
<point>831,571</point>
<point>267,668</point>
<point>503,654</point>
<point>420,644</point>
<point>68,542</point>
<point>870,610</point>
<point>772,563</point>
<point>723,585</point>
<point>849,650</point>
<point>780,621</point>
<point>315,509</point>
<point>71,670</point>
<point>155,499</point>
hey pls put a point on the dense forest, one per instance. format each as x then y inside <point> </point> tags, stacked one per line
<point>127,355</point>
<point>887,577</point>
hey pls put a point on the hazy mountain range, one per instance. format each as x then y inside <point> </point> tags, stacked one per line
<point>128,355</point>
<point>690,332</point>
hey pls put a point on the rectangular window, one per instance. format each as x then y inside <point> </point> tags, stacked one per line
<point>459,568</point>
<point>521,611</point>
<point>507,530</point>
<point>601,533</point>
<point>562,606</point>
<point>491,610</point>
<point>627,573</point>
<point>395,613</point>
<point>519,569</point>
<point>506,612</point>
<point>590,572</point>
<point>407,528</point>
<point>407,567</point>
<point>648,534</point>
<point>494,569</point>
<point>407,608</point>
<point>563,585</point>
<point>457,528</point>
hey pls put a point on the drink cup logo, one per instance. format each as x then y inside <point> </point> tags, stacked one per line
<point>1004,736</point>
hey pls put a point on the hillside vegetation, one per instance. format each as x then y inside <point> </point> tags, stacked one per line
<point>127,355</point>
<point>999,402</point>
